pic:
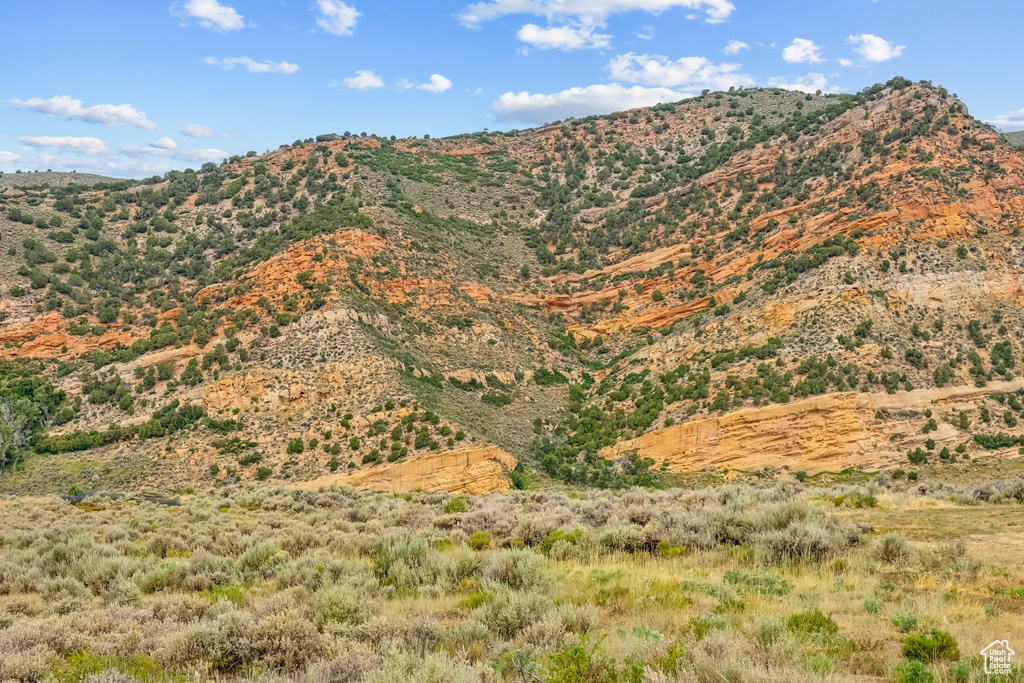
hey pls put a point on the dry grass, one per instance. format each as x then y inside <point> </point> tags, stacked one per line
<point>334,585</point>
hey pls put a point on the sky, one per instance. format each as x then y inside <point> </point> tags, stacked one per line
<point>132,88</point>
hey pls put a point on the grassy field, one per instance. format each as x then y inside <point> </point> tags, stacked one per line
<point>734,583</point>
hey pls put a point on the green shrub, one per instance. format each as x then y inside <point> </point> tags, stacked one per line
<point>812,623</point>
<point>496,398</point>
<point>912,671</point>
<point>760,584</point>
<point>938,645</point>
<point>479,540</point>
<point>455,505</point>
<point>904,623</point>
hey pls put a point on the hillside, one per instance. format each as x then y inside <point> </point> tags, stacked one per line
<point>745,281</point>
<point>53,179</point>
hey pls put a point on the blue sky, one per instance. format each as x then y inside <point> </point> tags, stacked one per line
<point>131,88</point>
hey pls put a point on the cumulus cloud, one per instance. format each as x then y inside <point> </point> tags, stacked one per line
<point>593,99</point>
<point>875,49</point>
<point>253,66</point>
<point>336,17</point>
<point>1009,122</point>
<point>563,37</point>
<point>843,61</point>
<point>195,130</point>
<point>89,147</point>
<point>65,107</point>
<point>694,72</point>
<point>164,143</point>
<point>213,15</point>
<point>437,84</point>
<point>735,47</point>
<point>9,157</point>
<point>810,83</point>
<point>584,11</point>
<point>802,51</point>
<point>363,80</point>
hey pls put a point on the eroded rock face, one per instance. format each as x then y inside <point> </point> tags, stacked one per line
<point>826,433</point>
<point>46,338</point>
<point>278,389</point>
<point>464,470</point>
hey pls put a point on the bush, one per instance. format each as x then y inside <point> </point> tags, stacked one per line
<point>894,548</point>
<point>410,564</point>
<point>508,614</point>
<point>904,623</point>
<point>337,605</point>
<point>912,671</point>
<point>479,540</point>
<point>455,505</point>
<point>812,623</point>
<point>938,645</point>
<point>497,398</point>
<point>517,568</point>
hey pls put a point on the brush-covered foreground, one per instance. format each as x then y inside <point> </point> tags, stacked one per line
<point>736,583</point>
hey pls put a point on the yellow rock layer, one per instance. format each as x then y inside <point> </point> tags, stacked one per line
<point>464,470</point>
<point>820,434</point>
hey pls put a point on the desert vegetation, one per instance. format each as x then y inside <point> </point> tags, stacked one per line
<point>780,582</point>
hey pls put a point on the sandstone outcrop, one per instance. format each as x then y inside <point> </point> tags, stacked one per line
<point>826,433</point>
<point>277,389</point>
<point>46,337</point>
<point>464,470</point>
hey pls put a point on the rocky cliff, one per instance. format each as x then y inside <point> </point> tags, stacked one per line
<point>466,470</point>
<point>821,434</point>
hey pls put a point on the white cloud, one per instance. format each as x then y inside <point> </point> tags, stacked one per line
<point>843,61</point>
<point>164,143</point>
<point>213,15</point>
<point>336,17</point>
<point>802,51</point>
<point>810,83</point>
<point>363,80</point>
<point>695,72</point>
<point>646,33</point>
<point>1009,122</point>
<point>593,99</point>
<point>253,66</point>
<point>195,130</point>
<point>66,107</point>
<point>584,11</point>
<point>735,47</point>
<point>9,157</point>
<point>437,84</point>
<point>875,49</point>
<point>563,37</point>
<point>90,147</point>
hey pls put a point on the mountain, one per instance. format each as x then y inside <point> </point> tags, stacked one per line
<point>747,281</point>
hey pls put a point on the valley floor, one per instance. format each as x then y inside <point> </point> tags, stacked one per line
<point>772,582</point>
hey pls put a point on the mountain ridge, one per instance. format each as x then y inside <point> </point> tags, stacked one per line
<point>557,292</point>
